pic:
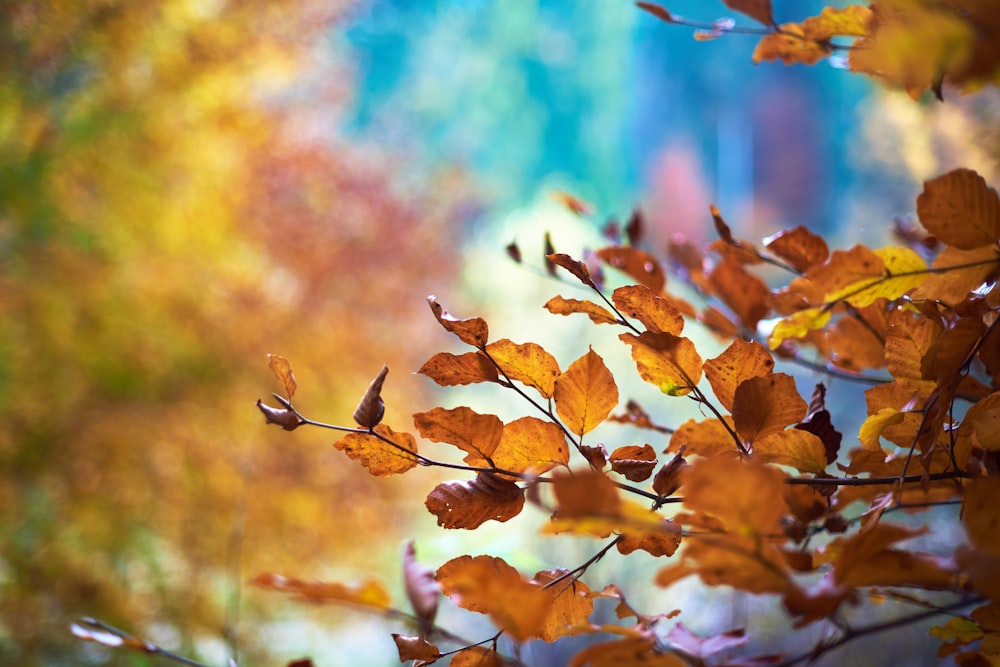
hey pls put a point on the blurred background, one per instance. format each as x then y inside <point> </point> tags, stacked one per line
<point>189,185</point>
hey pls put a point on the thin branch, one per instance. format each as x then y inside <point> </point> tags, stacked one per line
<point>87,627</point>
<point>876,481</point>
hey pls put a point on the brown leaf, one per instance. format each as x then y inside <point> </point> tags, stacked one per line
<point>951,286</point>
<point>765,405</point>
<point>708,437</point>
<point>472,332</point>
<point>584,493</point>
<point>371,408</point>
<point>656,10</point>
<point>668,479</point>
<point>557,305</point>
<point>576,267</point>
<point>866,559</point>
<point>635,463</point>
<point>796,448</point>
<point>469,504</point>
<point>448,369</point>
<point>982,422</point>
<point>596,456</point>
<point>758,10</point>
<point>744,293</point>
<point>531,445</point>
<point>378,456</point>
<point>526,362</point>
<point>367,594</point>
<point>585,394</point>
<point>629,652</point>
<point>489,585</point>
<point>572,202</point>
<point>474,433</point>
<point>637,264</point>
<point>283,417</point>
<point>416,648</point>
<point>799,247</point>
<point>422,590</point>
<point>663,542</point>
<point>907,342</point>
<point>282,370</point>
<point>476,656</point>
<point>655,312</point>
<point>571,606</point>
<point>704,648</point>
<point>818,423</point>
<point>670,362</point>
<point>740,361</point>
<point>960,209</point>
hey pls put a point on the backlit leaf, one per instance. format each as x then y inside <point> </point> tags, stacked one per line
<point>585,493</point>
<point>367,594</point>
<point>853,20</point>
<point>765,405</point>
<point>663,542</point>
<point>794,447</point>
<point>531,445</point>
<point>489,585</point>
<point>476,656</point>
<point>469,504</point>
<point>415,648</point>
<point>474,433</point>
<point>798,246</point>
<point>635,463</point>
<point>448,369</point>
<point>981,513</point>
<point>798,325</point>
<point>893,272</point>
<point>597,314</point>
<point>703,438</point>
<point>585,394</point>
<point>758,10</point>
<point>670,362</point>
<point>740,361</point>
<point>745,496</point>
<point>735,559</point>
<point>571,606</point>
<point>472,332</point>
<point>656,313</point>
<point>574,266</point>
<point>972,268</point>
<point>526,362</point>
<point>960,209</point>
<point>907,342</point>
<point>744,293</point>
<point>282,370</point>
<point>791,46</point>
<point>637,264</point>
<point>983,422</point>
<point>379,456</point>
<point>630,652</point>
<point>656,10</point>
<point>866,559</point>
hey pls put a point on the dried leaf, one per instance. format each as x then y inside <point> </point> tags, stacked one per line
<point>571,605</point>
<point>448,369</point>
<point>656,10</point>
<point>526,362</point>
<point>907,342</point>
<point>765,405</point>
<point>656,313</point>
<point>630,652</point>
<point>371,408</point>
<point>758,10</point>
<point>818,423</point>
<point>415,648</point>
<point>469,504</point>
<point>798,246</point>
<point>283,417</point>
<point>791,46</point>
<point>585,394</point>
<point>670,362</point>
<point>637,264</point>
<point>951,286</point>
<point>853,21</point>
<point>796,448</point>
<point>744,293</point>
<point>597,314</point>
<point>982,422</point>
<point>708,437</point>
<point>663,542</point>
<point>740,361</point>
<point>472,332</point>
<point>476,656</point>
<point>282,370</point>
<point>379,456</point>
<point>474,433</point>
<point>576,267</point>
<point>369,593</point>
<point>635,463</point>
<point>668,479</point>
<point>530,445</point>
<point>960,210</point>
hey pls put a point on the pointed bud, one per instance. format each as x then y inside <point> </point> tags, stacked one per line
<point>371,408</point>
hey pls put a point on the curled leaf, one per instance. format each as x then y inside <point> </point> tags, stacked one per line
<point>371,408</point>
<point>472,332</point>
<point>282,370</point>
<point>284,417</point>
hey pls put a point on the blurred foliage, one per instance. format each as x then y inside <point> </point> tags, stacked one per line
<point>175,204</point>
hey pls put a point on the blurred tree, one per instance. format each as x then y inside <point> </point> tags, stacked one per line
<point>175,202</point>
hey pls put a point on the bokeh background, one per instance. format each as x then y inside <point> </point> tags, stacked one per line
<point>188,185</point>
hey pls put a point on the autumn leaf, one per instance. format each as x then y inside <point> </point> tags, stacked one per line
<point>703,438</point>
<point>367,594</point>
<point>798,246</point>
<point>448,369</point>
<point>489,585</point>
<point>635,463</point>
<point>959,272</point>
<point>571,604</point>
<point>884,273</point>
<point>866,559</point>
<point>740,361</point>
<point>703,648</point>
<point>908,340</point>
<point>557,305</point>
<point>670,362</point>
<point>656,313</point>
<point>766,405</point>
<point>282,370</point>
<point>791,45</point>
<point>637,264</point>
<point>585,394</point>
<point>982,422</point>
<point>422,590</point>
<point>960,210</point>
<point>744,293</point>
<point>573,203</point>
<point>474,433</point>
<point>793,447</point>
<point>758,10</point>
<point>380,457</point>
<point>662,542</point>
<point>526,362</point>
<point>745,496</point>
<point>656,10</point>
<point>585,493</point>
<point>415,648</point>
<point>574,266</point>
<point>472,332</point>
<point>476,656</point>
<point>471,503</point>
<point>531,445</point>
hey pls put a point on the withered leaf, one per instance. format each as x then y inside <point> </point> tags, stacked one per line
<point>448,369</point>
<point>669,362</point>
<point>818,423</point>
<point>765,405</point>
<point>415,648</point>
<point>489,585</point>
<point>472,332</point>
<point>526,362</point>
<point>474,433</point>
<point>656,313</point>
<point>635,463</point>
<point>379,456</point>
<point>572,202</point>
<point>469,504</point>
<point>584,493</point>
<point>576,267</point>
<point>758,10</point>
<point>371,408</point>
<point>628,652</point>
<point>960,209</point>
<point>571,606</point>
<point>907,342</point>
<point>637,264</point>
<point>799,247</point>
<point>476,656</point>
<point>282,370</point>
<point>558,305</point>
<point>982,422</point>
<point>668,478</point>
<point>866,559</point>
<point>740,361</point>
<point>585,394</point>
<point>369,593</point>
<point>792,46</point>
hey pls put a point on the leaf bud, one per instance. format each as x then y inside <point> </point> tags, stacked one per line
<point>371,408</point>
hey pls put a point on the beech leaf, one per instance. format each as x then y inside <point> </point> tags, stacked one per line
<point>531,445</point>
<point>448,369</point>
<point>960,209</point>
<point>557,305</point>
<point>585,394</point>
<point>656,313</point>
<point>371,408</point>
<point>379,456</point>
<point>758,10</point>
<point>571,605</point>
<point>282,370</point>
<point>470,504</point>
<point>740,361</point>
<point>369,593</point>
<point>574,266</point>
<point>416,648</point>
<point>796,448</point>
<point>637,264</point>
<point>472,332</point>
<point>670,362</point>
<point>635,463</point>
<point>765,405</point>
<point>526,362</point>
<point>799,247</point>
<point>476,434</point>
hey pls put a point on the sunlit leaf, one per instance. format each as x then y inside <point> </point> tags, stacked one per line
<point>670,362</point>
<point>662,542</point>
<point>884,273</point>
<point>703,438</point>
<point>585,394</point>
<point>370,593</point>
<point>983,422</point>
<point>798,325</point>
<point>597,314</point>
<point>415,648</point>
<point>740,361</point>
<point>526,362</point>
<point>745,496</point>
<point>907,342</point>
<point>655,312</point>
<point>798,246</point>
<point>477,656</point>
<point>853,20</point>
<point>765,405</point>
<point>793,447</point>
<point>380,457</point>
<point>282,370</point>
<point>474,433</point>
<point>473,331</point>
<point>635,463</point>
<point>960,209</point>
<point>469,504</point>
<point>744,293</point>
<point>791,46</point>
<point>866,558</point>
<point>637,264</point>
<point>448,369</point>
<point>574,266</point>
<point>571,606</point>
<point>971,269</point>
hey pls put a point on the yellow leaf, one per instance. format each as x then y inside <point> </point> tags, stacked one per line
<point>585,394</point>
<point>526,362</point>
<point>282,370</point>
<point>740,361</point>
<point>597,314</point>
<point>853,20</point>
<point>670,362</point>
<point>765,405</point>
<point>872,428</point>
<point>475,433</point>
<point>380,457</point>
<point>798,325</point>
<point>745,496</point>
<point>656,313</point>
<point>899,271</point>
<point>793,447</point>
<point>530,445</point>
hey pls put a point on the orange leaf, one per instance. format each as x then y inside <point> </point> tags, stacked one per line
<point>746,496</point>
<point>585,394</point>
<point>765,405</point>
<point>630,652</point>
<point>798,246</point>
<point>597,314</point>
<point>585,493</point>
<point>637,264</point>
<point>740,361</point>
<point>448,369</point>
<point>866,559</point>
<point>670,362</point>
<point>470,504</point>
<point>798,325</point>
<point>379,456</point>
<point>530,445</point>
<point>468,430</point>
<point>663,542</point>
<point>571,606</point>
<point>982,422</point>
<point>744,562</point>
<point>951,286</point>
<point>572,202</point>
<point>635,463</point>
<point>368,594</point>
<point>796,448</point>
<point>415,648</point>
<point>282,370</point>
<point>960,209</point>
<point>489,585</point>
<point>745,294</point>
<point>907,342</point>
<point>758,10</point>
<point>791,46</point>
<point>574,266</point>
<point>656,313</point>
<point>703,438</point>
<point>471,332</point>
<point>527,362</point>
<point>853,20</point>
<point>476,656</point>
<point>981,513</point>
